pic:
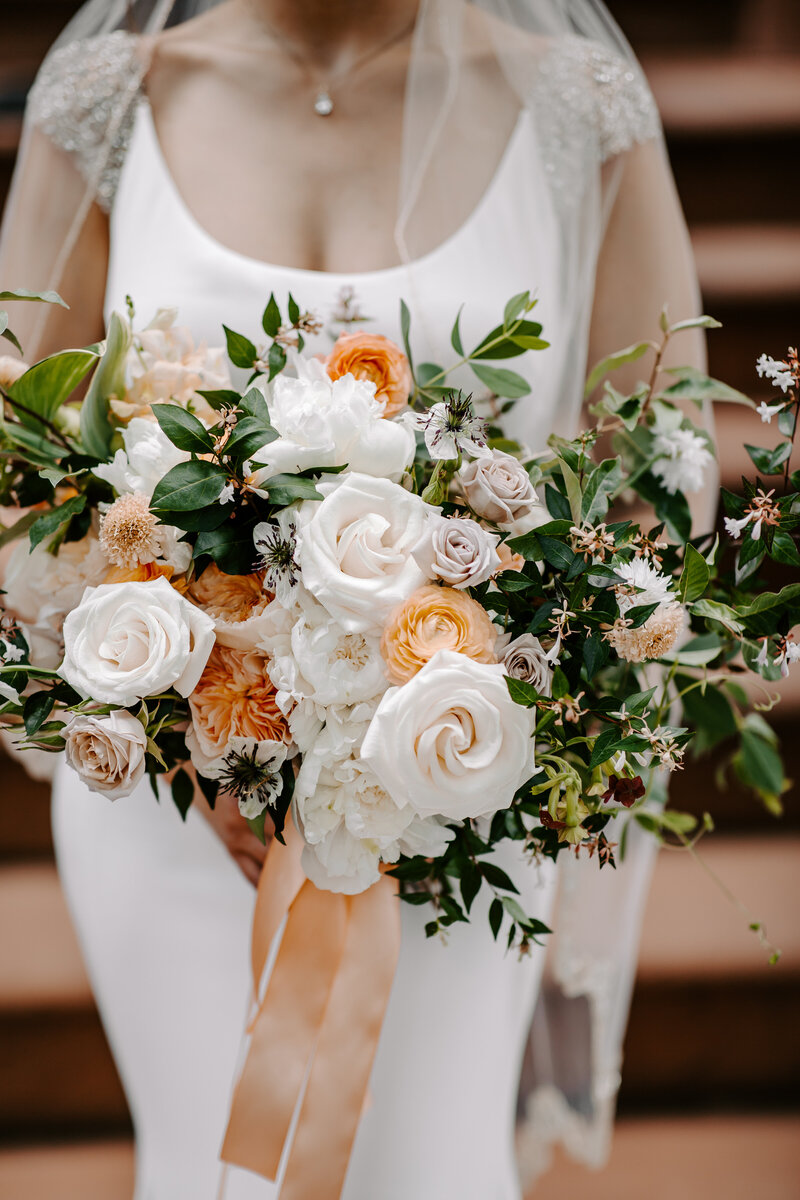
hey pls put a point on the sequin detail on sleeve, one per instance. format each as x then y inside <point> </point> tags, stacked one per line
<point>591,104</point>
<point>84,99</point>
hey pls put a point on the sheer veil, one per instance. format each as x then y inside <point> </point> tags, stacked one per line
<point>478,69</point>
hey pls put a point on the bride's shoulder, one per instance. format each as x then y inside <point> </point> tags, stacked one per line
<point>83,99</point>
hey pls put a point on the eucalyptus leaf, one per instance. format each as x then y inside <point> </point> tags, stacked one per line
<point>515,307</point>
<point>501,381</point>
<point>24,294</point>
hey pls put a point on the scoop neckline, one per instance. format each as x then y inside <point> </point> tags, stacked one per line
<point>379,273</point>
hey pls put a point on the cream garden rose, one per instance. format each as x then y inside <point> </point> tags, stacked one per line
<point>451,742</point>
<point>108,752</point>
<point>354,549</point>
<point>126,641</point>
<point>498,488</point>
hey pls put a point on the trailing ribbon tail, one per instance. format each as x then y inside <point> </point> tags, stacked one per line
<point>323,1009</point>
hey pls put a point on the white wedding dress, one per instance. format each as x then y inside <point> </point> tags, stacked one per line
<point>162,912</point>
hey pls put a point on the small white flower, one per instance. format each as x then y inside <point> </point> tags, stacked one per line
<point>227,494</point>
<point>734,527</point>
<point>768,411</point>
<point>777,372</point>
<point>683,460</point>
<point>10,653</point>
<point>761,657</point>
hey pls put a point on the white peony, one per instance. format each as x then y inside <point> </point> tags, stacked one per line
<point>147,457</point>
<point>683,462</point>
<point>333,666</point>
<point>332,423</point>
<point>498,488</point>
<point>451,742</point>
<point>126,641</point>
<point>354,549</point>
<point>458,551</point>
<point>342,863</point>
<point>41,588</point>
<point>107,752</point>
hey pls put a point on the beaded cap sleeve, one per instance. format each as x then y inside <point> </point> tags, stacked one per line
<point>84,100</point>
<point>590,104</point>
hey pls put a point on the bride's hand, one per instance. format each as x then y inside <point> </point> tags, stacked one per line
<point>233,831</point>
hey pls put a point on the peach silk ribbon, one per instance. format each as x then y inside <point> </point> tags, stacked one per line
<point>320,1020</point>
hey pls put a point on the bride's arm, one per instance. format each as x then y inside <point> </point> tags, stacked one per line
<point>646,262</point>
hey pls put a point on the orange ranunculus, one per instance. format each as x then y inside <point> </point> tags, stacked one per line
<point>141,573</point>
<point>234,697</point>
<point>435,618</point>
<point>373,357</point>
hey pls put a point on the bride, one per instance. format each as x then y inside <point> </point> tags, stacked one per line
<point>203,155</point>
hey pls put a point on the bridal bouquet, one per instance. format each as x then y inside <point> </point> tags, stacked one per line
<point>344,596</point>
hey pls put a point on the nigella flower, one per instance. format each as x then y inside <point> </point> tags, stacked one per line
<point>253,776</point>
<point>451,428</point>
<point>778,372</point>
<point>277,550</point>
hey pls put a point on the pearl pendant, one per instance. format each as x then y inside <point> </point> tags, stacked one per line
<point>323,105</point>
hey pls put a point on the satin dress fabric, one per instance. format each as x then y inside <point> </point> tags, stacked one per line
<point>162,912</point>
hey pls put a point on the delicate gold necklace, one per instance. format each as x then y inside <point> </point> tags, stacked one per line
<point>324,86</point>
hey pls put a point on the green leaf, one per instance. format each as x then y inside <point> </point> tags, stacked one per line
<point>470,884</point>
<point>527,342</point>
<point>698,652</point>
<point>502,381</point>
<point>708,711</point>
<point>221,398</point>
<point>49,383</point>
<point>54,519</point>
<point>786,422</point>
<point>694,576</point>
<point>405,329</point>
<point>11,337</point>
<point>455,335</point>
<point>515,307</point>
<point>15,531</point>
<point>496,877</point>
<point>249,436</point>
<point>788,596</point>
<point>241,350</point>
<point>672,509</point>
<point>696,323</point>
<point>294,310</point>
<point>188,486</point>
<point>694,385</point>
<point>182,791</point>
<point>108,380</point>
<point>276,359</point>
<point>230,546</point>
<point>495,916</point>
<point>556,553</point>
<point>595,655</point>
<point>784,550</point>
<point>182,429</point>
<point>760,764</point>
<point>714,610</point>
<point>24,294</point>
<point>600,486</point>
<point>499,345</point>
<point>769,462</point>
<point>283,490</point>
<point>36,710</point>
<point>521,692</point>
<point>639,614</point>
<point>574,493</point>
<point>613,362</point>
<point>271,318</point>
<point>253,403</point>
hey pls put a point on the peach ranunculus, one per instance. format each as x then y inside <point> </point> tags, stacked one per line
<point>234,699</point>
<point>235,602</point>
<point>373,357</point>
<point>141,573</point>
<point>431,619</point>
<point>509,560</point>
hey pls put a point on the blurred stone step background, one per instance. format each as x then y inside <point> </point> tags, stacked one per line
<point>709,1104</point>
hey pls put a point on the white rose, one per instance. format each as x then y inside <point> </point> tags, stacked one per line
<point>451,741</point>
<point>526,659</point>
<point>126,641</point>
<point>327,423</point>
<point>342,863</point>
<point>147,457</point>
<point>498,488</point>
<point>107,752</point>
<point>458,551</point>
<point>354,549</point>
<point>41,588</point>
